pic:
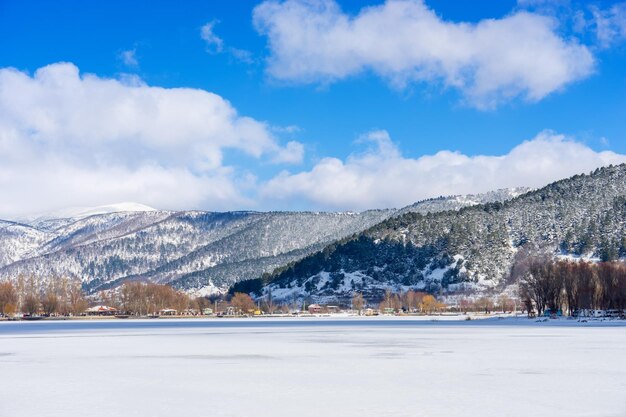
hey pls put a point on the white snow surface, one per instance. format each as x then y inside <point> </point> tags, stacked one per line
<point>313,367</point>
<point>356,281</point>
<point>206,291</point>
<point>82,212</point>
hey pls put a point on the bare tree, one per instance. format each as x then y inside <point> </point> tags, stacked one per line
<point>620,289</point>
<point>538,283</point>
<point>76,301</point>
<point>386,302</point>
<point>610,281</point>
<point>571,286</point>
<point>243,303</point>
<point>429,304</point>
<point>49,302</point>
<point>201,303</point>
<point>268,305</point>
<point>31,304</point>
<point>464,305</point>
<point>586,285</point>
<point>139,298</point>
<point>505,303</point>
<point>549,285</point>
<point>358,302</point>
<point>8,298</point>
<point>484,304</point>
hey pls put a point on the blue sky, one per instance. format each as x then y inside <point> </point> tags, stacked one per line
<point>348,111</point>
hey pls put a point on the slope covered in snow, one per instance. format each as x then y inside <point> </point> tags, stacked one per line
<point>192,250</point>
<point>469,249</point>
<point>18,241</point>
<point>105,249</point>
<point>457,202</point>
<point>58,218</point>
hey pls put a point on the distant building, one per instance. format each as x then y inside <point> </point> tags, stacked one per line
<point>315,309</point>
<point>101,311</point>
<point>168,312</point>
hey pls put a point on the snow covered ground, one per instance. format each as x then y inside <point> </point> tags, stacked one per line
<point>313,367</point>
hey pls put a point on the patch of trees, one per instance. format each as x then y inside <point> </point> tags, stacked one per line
<point>242,303</point>
<point>550,285</point>
<point>358,302</point>
<point>387,261</point>
<point>248,286</point>
<point>139,298</point>
<point>27,295</point>
<point>411,301</point>
<point>8,298</point>
<point>486,304</point>
<point>65,297</point>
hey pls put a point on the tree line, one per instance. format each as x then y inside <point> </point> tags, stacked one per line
<point>139,298</point>
<point>27,295</point>
<point>562,285</point>
<point>65,297</point>
<point>410,301</point>
<point>425,303</point>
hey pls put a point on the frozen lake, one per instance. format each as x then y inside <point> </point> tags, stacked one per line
<point>312,367</point>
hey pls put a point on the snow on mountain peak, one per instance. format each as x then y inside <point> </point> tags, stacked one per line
<point>112,208</point>
<point>82,212</point>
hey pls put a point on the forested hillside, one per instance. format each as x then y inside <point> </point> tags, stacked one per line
<point>471,249</point>
<point>200,252</point>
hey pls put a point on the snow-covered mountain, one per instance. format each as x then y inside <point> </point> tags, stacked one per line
<point>457,202</point>
<point>57,218</point>
<point>18,241</point>
<point>471,249</point>
<point>102,250</point>
<point>197,251</point>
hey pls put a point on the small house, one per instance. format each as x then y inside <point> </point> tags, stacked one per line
<point>333,309</point>
<point>101,311</point>
<point>167,312</point>
<point>315,309</point>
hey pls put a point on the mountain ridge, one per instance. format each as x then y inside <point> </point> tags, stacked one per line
<point>194,250</point>
<point>470,249</point>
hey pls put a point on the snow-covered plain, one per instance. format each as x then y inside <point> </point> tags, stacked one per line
<point>312,367</point>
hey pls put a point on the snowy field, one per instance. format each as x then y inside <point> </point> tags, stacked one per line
<point>312,367</point>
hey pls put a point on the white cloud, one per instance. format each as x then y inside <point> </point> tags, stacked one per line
<point>541,3</point>
<point>287,129</point>
<point>129,58</point>
<point>214,43</point>
<point>51,183</point>
<point>610,24</point>
<point>70,139</point>
<point>382,177</point>
<point>242,55</point>
<point>292,153</point>
<point>403,41</point>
